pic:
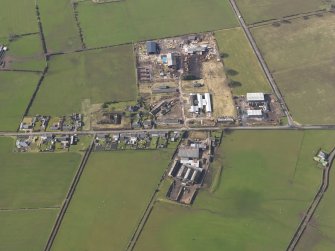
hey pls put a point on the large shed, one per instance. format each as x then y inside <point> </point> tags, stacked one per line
<point>255,113</point>
<point>152,47</point>
<point>255,97</point>
<point>188,152</point>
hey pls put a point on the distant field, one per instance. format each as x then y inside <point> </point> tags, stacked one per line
<point>320,233</point>
<point>25,53</point>
<point>59,27</point>
<point>97,75</point>
<point>33,180</point>
<point>122,22</point>
<point>261,10</point>
<point>267,183</point>
<point>16,91</point>
<point>26,229</point>
<point>301,57</point>
<point>32,187</point>
<point>17,17</point>
<point>111,196</point>
<point>241,64</point>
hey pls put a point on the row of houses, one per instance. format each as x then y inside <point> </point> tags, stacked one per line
<point>45,143</point>
<point>134,137</point>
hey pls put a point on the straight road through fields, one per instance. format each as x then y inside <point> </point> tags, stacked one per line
<point>262,62</point>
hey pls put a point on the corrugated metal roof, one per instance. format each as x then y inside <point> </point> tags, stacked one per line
<point>151,47</point>
<point>254,112</point>
<point>189,152</point>
<point>255,96</point>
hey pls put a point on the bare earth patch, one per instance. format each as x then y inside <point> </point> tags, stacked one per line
<point>217,83</point>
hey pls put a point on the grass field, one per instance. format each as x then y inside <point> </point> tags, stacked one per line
<point>301,57</point>
<point>241,64</point>
<point>25,229</point>
<point>16,90</point>
<point>260,10</point>
<point>320,233</point>
<point>17,17</point>
<point>45,176</point>
<point>32,187</point>
<point>26,53</point>
<point>121,22</point>
<point>267,182</point>
<point>111,196</point>
<point>59,26</point>
<point>98,75</point>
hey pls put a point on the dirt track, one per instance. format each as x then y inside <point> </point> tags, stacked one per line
<point>312,208</point>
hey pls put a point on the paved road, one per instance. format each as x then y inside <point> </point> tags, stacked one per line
<point>262,62</point>
<point>312,208</point>
<point>231,128</point>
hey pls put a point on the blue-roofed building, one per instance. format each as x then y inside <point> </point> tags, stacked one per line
<point>152,47</point>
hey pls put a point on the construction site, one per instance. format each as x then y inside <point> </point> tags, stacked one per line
<point>183,82</point>
<point>189,168</point>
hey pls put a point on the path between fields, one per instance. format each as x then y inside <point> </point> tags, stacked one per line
<point>148,210</point>
<point>27,209</point>
<point>288,18</point>
<point>312,208</point>
<point>68,198</point>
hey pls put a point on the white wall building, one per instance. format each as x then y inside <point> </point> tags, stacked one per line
<point>200,102</point>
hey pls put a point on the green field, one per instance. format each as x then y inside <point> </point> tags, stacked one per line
<point>26,53</point>
<point>59,26</point>
<point>17,17</point>
<point>267,183</point>
<point>25,229</point>
<point>261,10</point>
<point>122,22</point>
<point>320,232</point>
<point>241,64</point>
<point>98,75</point>
<point>32,180</point>
<point>111,196</point>
<point>16,91</point>
<point>32,187</point>
<point>301,58</point>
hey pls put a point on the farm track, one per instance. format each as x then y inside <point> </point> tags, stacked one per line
<point>35,93</point>
<point>26,71</point>
<point>325,179</point>
<point>262,62</point>
<point>288,18</point>
<point>312,208</point>
<point>68,198</point>
<point>27,209</point>
<point>148,210</point>
<point>75,13</point>
<point>39,22</point>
